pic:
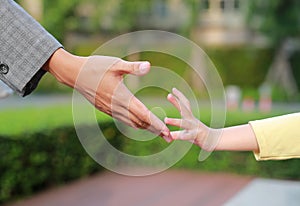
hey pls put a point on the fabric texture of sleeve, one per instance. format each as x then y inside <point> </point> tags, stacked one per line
<point>25,46</point>
<point>278,137</point>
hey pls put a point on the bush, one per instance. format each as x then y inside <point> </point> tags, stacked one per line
<point>242,163</point>
<point>245,67</point>
<point>31,163</point>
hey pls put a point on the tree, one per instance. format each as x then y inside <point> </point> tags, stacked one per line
<point>57,16</point>
<point>279,20</point>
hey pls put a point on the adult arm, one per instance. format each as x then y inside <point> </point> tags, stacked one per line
<point>25,47</point>
<point>28,51</point>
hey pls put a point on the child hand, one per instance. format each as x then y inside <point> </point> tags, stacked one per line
<point>193,129</point>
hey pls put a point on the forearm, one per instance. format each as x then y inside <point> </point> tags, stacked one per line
<point>237,138</point>
<point>64,66</point>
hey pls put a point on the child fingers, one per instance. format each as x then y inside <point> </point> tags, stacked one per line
<point>174,101</point>
<point>184,103</point>
<point>178,123</point>
<point>173,121</point>
<point>183,135</point>
<point>181,97</point>
<point>183,106</point>
<point>175,135</point>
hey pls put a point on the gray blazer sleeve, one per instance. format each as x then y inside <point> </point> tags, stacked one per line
<point>25,46</point>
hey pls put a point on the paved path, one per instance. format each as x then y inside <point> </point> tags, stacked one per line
<point>168,188</point>
<point>173,187</point>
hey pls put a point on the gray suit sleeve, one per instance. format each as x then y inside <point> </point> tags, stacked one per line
<point>25,46</point>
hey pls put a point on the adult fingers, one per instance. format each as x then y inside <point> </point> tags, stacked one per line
<point>147,120</point>
<point>135,68</point>
<point>132,109</point>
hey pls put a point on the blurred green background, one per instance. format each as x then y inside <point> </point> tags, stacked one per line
<point>250,42</point>
<point>243,38</point>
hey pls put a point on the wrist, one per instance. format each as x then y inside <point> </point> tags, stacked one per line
<point>212,137</point>
<point>64,66</point>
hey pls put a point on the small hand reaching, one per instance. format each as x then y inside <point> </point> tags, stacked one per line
<point>235,138</point>
<point>193,129</point>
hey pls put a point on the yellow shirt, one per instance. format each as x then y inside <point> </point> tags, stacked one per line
<point>278,137</point>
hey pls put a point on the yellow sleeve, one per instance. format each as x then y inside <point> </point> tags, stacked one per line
<point>278,138</point>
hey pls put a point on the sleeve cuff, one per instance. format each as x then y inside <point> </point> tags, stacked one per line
<point>25,48</point>
<point>278,138</point>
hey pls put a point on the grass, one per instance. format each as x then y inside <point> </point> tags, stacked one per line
<point>36,119</point>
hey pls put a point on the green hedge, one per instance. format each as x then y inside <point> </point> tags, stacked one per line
<point>242,163</point>
<point>245,67</point>
<point>30,163</point>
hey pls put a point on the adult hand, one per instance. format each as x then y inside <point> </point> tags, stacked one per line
<point>193,129</point>
<point>100,80</point>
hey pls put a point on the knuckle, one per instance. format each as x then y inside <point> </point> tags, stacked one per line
<point>118,63</point>
<point>142,124</point>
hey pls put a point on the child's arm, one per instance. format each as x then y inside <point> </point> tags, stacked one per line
<point>237,138</point>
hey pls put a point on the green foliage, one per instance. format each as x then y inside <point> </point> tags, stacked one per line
<point>278,19</point>
<point>245,67</point>
<point>168,61</point>
<point>242,163</point>
<point>34,162</point>
<point>62,16</point>
<point>85,49</point>
<point>127,17</point>
<point>57,16</point>
<point>194,7</point>
<point>295,64</point>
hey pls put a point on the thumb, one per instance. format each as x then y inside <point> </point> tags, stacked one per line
<point>136,68</point>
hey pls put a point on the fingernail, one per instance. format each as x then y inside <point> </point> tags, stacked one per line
<point>144,67</point>
<point>166,120</point>
<point>167,136</point>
